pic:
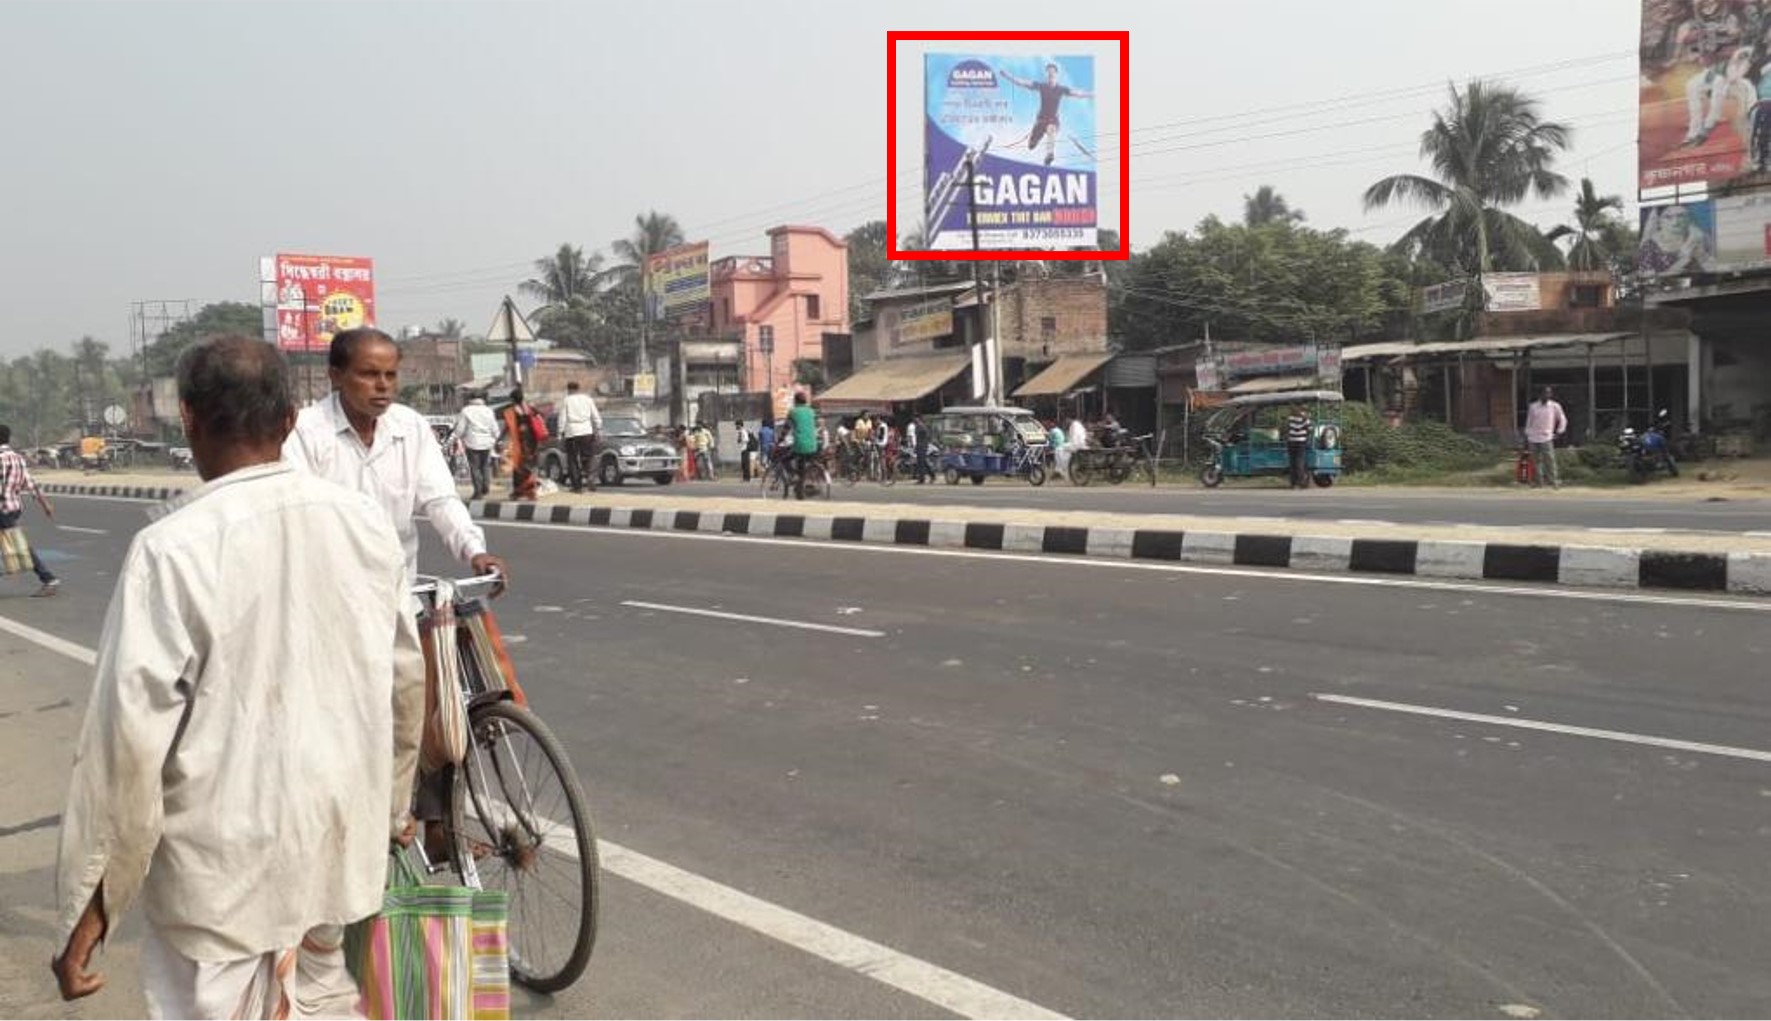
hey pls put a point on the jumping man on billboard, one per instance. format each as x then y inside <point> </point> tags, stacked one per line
<point>1050,93</point>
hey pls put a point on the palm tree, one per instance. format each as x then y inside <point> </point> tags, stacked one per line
<point>1489,149</point>
<point>653,232</point>
<point>568,275</point>
<point>1268,206</point>
<point>1593,228</point>
<point>451,328</point>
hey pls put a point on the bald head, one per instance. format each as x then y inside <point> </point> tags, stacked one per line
<point>235,392</point>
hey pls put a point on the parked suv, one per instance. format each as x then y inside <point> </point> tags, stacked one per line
<point>622,451</point>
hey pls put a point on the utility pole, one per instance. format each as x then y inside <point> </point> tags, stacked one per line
<point>992,371</point>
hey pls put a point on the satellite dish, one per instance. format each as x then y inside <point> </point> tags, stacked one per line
<point>115,415</point>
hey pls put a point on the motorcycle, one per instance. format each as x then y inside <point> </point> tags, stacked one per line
<point>1650,452</point>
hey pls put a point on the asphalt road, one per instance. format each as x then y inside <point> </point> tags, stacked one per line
<point>1260,498</point>
<point>1115,791</point>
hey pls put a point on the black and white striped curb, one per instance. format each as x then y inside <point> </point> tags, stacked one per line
<point>119,492</point>
<point>1598,566</point>
<point>1593,566</point>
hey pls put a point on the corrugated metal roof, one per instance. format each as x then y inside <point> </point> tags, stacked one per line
<point>1478,345</point>
<point>1063,375</point>
<point>1273,384</point>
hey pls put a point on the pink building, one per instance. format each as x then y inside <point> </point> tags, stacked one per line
<point>784,303</point>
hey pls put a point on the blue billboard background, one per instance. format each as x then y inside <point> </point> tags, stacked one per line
<point>1037,179</point>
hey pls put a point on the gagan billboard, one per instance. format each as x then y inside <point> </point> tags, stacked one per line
<point>1020,129</point>
<point>1703,78</point>
<point>676,280</point>
<point>319,295</point>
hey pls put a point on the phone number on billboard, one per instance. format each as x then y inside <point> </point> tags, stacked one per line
<point>1053,234</point>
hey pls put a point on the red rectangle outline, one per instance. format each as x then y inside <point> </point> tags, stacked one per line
<point>966,254</point>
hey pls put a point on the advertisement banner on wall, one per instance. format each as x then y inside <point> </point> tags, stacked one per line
<point>1743,232</point>
<point>320,295</point>
<point>1020,129</point>
<point>676,281</point>
<point>1677,240</point>
<point>917,324</point>
<point>1512,292</point>
<point>1700,78</point>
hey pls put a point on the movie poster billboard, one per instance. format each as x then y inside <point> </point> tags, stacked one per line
<point>1028,122</point>
<point>1703,73</point>
<point>1743,233</point>
<point>1677,240</point>
<point>676,281</point>
<point>320,295</point>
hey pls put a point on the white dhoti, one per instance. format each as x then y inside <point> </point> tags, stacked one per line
<point>309,981</point>
<point>1061,459</point>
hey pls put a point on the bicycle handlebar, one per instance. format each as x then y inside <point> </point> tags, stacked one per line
<point>427,584</point>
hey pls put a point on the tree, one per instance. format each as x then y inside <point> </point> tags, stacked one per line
<point>869,269</point>
<point>653,232</point>
<point>451,328</point>
<point>1268,206</point>
<point>214,320</point>
<point>1593,230</point>
<point>1278,283</point>
<point>1489,149</point>
<point>564,276</point>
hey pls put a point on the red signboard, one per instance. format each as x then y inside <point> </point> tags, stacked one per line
<point>319,295</point>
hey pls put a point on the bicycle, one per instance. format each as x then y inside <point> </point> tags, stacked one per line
<point>784,479</point>
<point>517,819</point>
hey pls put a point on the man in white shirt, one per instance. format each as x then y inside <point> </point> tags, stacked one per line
<point>478,429</point>
<point>579,423</point>
<point>361,439</point>
<point>252,733</point>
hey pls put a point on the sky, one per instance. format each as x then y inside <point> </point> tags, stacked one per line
<point>159,149</point>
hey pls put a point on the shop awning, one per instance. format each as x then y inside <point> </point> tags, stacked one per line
<point>1063,375</point>
<point>898,379</point>
<point>1475,346</point>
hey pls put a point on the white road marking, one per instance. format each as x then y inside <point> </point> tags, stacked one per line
<point>1272,574</point>
<point>78,653</point>
<point>1556,728</point>
<point>747,618</point>
<point>946,989</point>
<point>88,531</point>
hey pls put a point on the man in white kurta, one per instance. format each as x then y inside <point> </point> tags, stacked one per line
<point>251,738</point>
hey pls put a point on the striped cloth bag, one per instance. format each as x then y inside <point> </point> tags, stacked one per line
<point>434,953</point>
<point>15,551</point>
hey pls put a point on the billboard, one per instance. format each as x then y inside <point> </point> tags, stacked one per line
<point>676,280</point>
<point>1743,233</point>
<point>918,323</point>
<point>319,295</point>
<point>1677,240</point>
<point>1701,80</point>
<point>1021,129</point>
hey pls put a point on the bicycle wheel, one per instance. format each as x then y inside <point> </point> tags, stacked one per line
<point>520,822</point>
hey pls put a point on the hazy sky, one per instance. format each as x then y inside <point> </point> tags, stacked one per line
<point>156,150</point>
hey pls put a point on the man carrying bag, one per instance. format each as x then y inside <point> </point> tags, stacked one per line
<point>16,552</point>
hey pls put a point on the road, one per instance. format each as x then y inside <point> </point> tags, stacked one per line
<point>1521,508</point>
<point>1113,790</point>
